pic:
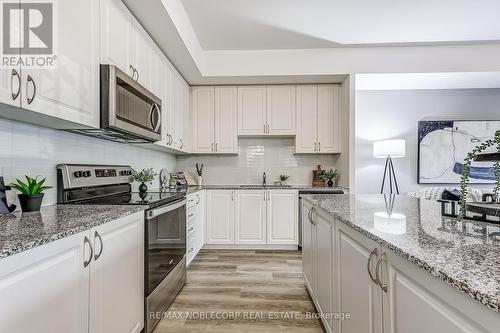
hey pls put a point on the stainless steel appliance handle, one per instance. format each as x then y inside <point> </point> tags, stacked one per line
<point>154,109</point>
<point>87,241</point>
<point>368,264</point>
<point>97,236</point>
<point>377,273</point>
<point>158,111</point>
<point>16,94</point>
<point>167,208</point>
<point>30,79</point>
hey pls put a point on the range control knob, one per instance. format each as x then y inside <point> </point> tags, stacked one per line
<point>77,174</point>
<point>86,173</point>
<point>125,173</point>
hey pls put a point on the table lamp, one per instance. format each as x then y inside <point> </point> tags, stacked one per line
<point>389,149</point>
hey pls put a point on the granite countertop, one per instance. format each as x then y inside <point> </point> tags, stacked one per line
<point>337,189</point>
<point>23,231</point>
<point>464,254</point>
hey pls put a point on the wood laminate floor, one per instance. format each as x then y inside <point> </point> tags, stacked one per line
<point>243,291</point>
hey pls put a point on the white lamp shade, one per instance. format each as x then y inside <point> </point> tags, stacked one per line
<point>392,148</point>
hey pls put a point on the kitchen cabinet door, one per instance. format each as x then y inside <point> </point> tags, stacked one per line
<point>282,213</point>
<point>143,47</point>
<point>46,289</point>
<point>117,276</point>
<point>69,90</point>
<point>250,220</point>
<point>252,110</point>
<point>307,119</point>
<point>116,35</point>
<point>324,288</point>
<point>356,293</point>
<point>186,121</point>
<point>226,138</point>
<point>329,123</point>
<point>202,108</point>
<point>281,110</point>
<point>414,294</point>
<point>308,246</point>
<point>220,217</point>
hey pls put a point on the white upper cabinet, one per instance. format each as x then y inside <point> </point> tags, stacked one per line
<point>202,109</point>
<point>116,42</point>
<point>226,139</point>
<point>214,120</point>
<point>69,90</point>
<point>266,110</point>
<point>329,123</point>
<point>186,120</point>
<point>142,46</point>
<point>282,214</point>
<point>50,284</point>
<point>280,110</point>
<point>252,110</point>
<point>318,119</point>
<point>250,221</point>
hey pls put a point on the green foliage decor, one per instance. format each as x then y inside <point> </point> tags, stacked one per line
<point>143,176</point>
<point>31,187</point>
<point>464,180</point>
<point>284,178</point>
<point>330,174</point>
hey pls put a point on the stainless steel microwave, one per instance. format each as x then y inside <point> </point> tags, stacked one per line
<point>129,112</point>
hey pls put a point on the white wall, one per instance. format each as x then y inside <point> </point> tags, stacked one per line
<point>395,113</point>
<point>32,150</point>
<point>273,156</point>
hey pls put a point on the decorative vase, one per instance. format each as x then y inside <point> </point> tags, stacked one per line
<point>200,181</point>
<point>30,203</point>
<point>330,183</point>
<point>143,188</point>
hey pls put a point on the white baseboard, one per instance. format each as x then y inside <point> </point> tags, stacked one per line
<point>249,247</point>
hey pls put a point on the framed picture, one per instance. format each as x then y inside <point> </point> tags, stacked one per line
<point>443,146</point>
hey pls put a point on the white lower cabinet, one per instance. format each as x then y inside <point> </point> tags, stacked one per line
<point>195,224</point>
<point>77,284</point>
<point>340,271</point>
<point>250,221</point>
<point>220,217</point>
<point>117,276</point>
<point>252,217</point>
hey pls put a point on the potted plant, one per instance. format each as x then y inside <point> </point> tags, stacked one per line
<point>283,179</point>
<point>31,195</point>
<point>330,176</point>
<point>144,176</point>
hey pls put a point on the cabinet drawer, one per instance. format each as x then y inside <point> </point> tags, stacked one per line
<point>193,200</point>
<point>192,215</point>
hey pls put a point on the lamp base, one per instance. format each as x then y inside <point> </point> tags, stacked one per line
<point>389,173</point>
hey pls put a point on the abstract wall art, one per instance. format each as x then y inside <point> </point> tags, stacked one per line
<point>443,145</point>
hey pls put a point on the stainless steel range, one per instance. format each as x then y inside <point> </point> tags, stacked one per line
<point>165,229</point>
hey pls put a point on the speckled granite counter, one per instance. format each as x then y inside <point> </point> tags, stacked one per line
<point>464,254</point>
<point>193,189</point>
<point>21,232</point>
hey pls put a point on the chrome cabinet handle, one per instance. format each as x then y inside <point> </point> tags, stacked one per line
<point>190,250</point>
<point>216,146</point>
<point>191,214</point>
<point>377,273</point>
<point>137,72</point>
<point>16,94</point>
<point>309,215</point>
<point>97,236</point>
<point>368,265</point>
<point>198,197</point>
<point>211,146</point>
<point>133,72</point>
<point>267,128</point>
<point>87,241</point>
<point>30,79</point>
<point>312,216</point>
<point>191,229</point>
<point>171,139</point>
<point>319,146</point>
<point>315,146</point>
<point>182,143</point>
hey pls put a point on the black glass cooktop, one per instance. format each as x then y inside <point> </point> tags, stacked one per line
<point>152,199</point>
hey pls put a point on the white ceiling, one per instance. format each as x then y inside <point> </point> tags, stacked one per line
<point>418,81</point>
<point>306,24</point>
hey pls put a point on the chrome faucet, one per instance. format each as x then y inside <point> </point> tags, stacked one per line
<point>264,179</point>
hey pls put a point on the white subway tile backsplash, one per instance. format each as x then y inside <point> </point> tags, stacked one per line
<point>274,156</point>
<point>32,150</point>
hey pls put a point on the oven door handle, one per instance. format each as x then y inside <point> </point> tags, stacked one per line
<point>151,214</point>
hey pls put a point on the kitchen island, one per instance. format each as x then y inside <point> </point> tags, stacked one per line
<point>394,264</point>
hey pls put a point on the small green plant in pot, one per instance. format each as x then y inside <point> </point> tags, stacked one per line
<point>143,177</point>
<point>31,195</point>
<point>283,179</point>
<point>330,176</point>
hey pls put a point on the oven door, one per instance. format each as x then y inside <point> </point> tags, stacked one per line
<point>165,242</point>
